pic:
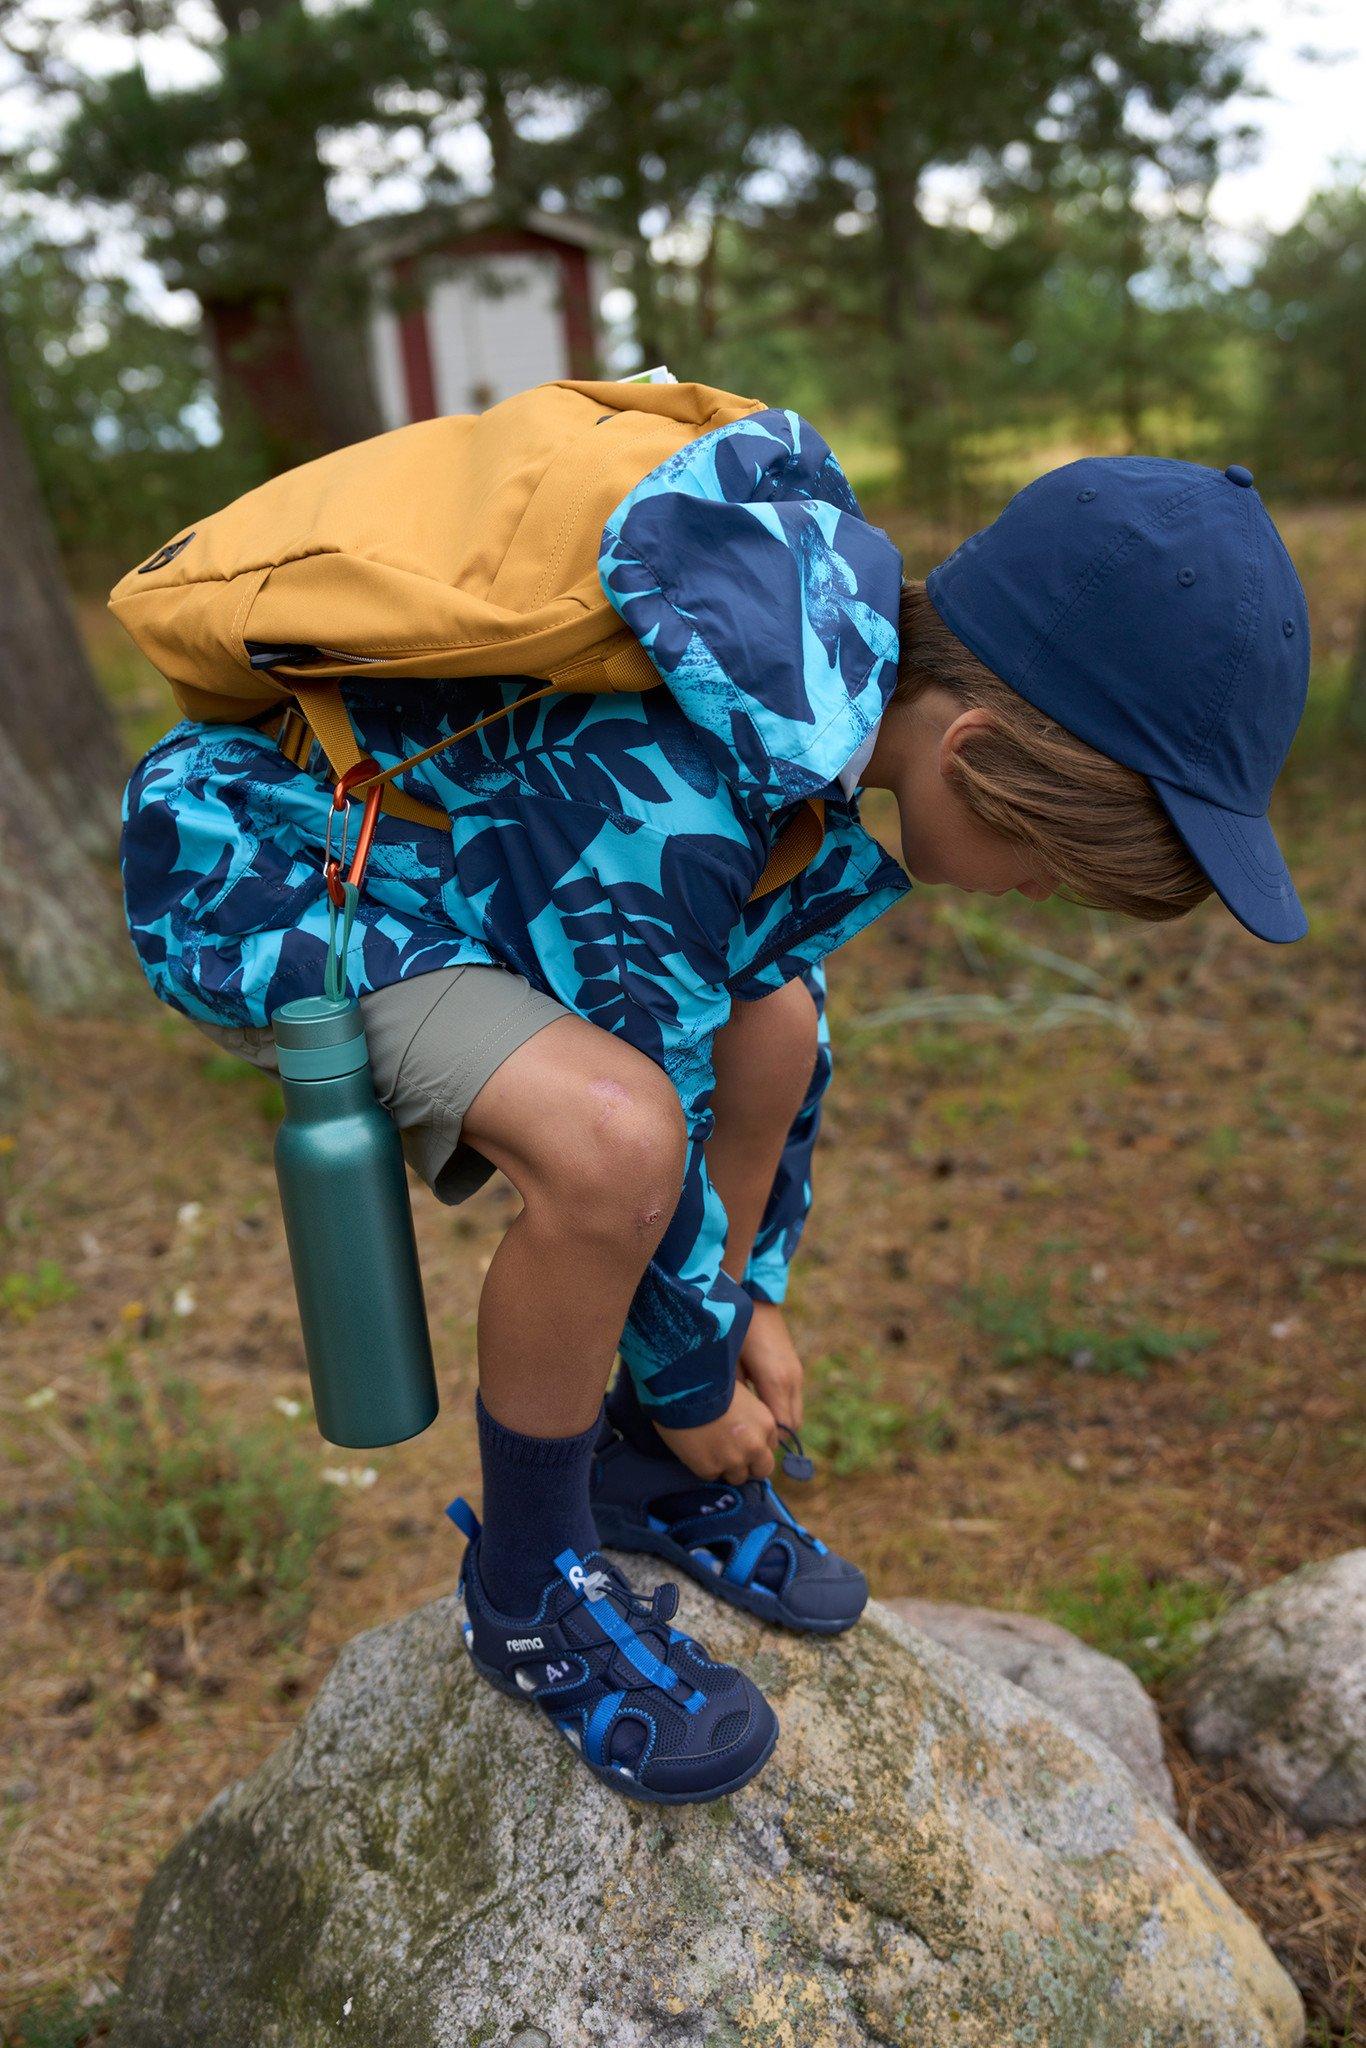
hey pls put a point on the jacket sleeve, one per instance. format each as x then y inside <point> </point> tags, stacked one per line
<point>688,1319</point>
<point>789,1200</point>
<point>766,601</point>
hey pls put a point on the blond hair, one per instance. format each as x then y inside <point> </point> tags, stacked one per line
<point>1095,826</point>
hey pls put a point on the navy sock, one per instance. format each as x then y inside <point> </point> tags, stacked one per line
<point>629,1418</point>
<point>535,1506</point>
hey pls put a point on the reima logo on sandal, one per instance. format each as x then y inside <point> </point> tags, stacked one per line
<point>515,1643</point>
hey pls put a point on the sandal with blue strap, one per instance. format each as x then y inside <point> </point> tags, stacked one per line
<point>644,1706</point>
<point>740,1542</point>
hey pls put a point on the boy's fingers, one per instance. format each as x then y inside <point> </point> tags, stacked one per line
<point>760,1465</point>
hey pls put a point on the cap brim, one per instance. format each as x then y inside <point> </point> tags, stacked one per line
<point>1242,860</point>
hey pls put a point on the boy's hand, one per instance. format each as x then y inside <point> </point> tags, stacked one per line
<point>769,1361</point>
<point>738,1446</point>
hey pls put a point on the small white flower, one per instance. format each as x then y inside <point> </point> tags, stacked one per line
<point>359,1476</point>
<point>346,2009</point>
<point>287,1407</point>
<point>1280,1331</point>
<point>44,1398</point>
<point>183,1301</point>
<point>1100,1271</point>
<point>188,1214</point>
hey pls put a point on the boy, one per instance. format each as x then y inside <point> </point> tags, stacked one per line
<point>579,988</point>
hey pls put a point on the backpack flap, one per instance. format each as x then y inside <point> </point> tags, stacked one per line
<point>459,546</point>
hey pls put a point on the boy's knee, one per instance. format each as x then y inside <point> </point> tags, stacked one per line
<point>619,1160</point>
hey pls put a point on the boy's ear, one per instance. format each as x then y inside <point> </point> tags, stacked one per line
<point>976,719</point>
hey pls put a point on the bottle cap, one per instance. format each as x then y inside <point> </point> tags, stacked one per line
<point>319,1038</point>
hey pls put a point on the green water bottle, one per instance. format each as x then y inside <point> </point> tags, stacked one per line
<point>344,1192</point>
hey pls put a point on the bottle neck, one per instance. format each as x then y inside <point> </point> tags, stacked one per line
<point>315,1102</point>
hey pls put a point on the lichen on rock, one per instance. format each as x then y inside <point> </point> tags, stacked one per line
<point>931,1856</point>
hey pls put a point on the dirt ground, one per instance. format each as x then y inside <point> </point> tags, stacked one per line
<point>1081,1302</point>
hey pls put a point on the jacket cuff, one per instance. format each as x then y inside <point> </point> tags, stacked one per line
<point>696,1385</point>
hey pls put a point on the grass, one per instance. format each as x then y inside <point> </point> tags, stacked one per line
<point>1152,1625</point>
<point>849,1426</point>
<point>1025,1332</point>
<point>164,1498</point>
<point>853,1429</point>
<point>25,1295</point>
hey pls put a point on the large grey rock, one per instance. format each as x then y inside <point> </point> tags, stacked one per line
<point>1281,1686</point>
<point>930,1857</point>
<point>1093,1691</point>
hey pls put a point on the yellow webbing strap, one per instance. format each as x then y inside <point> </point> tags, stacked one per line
<point>794,849</point>
<point>321,704</point>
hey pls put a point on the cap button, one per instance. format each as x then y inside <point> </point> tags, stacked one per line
<point>1236,474</point>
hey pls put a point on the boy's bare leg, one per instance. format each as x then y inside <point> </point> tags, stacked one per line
<point>590,1133</point>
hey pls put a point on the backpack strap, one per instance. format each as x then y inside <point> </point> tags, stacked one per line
<point>321,704</point>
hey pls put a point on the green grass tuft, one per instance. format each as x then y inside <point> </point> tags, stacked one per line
<point>1152,1625</point>
<point>849,1426</point>
<point>1025,1332</point>
<point>24,1295</point>
<point>167,1496</point>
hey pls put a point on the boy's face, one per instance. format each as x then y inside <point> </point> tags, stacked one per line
<point>942,840</point>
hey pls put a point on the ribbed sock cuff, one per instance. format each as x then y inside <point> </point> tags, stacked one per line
<point>515,1448</point>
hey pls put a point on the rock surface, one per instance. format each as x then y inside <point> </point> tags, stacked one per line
<point>1281,1686</point>
<point>931,1859</point>
<point>1096,1692</point>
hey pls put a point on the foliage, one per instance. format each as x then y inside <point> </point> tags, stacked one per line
<point>117,406</point>
<point>1307,307</point>
<point>1153,1625</point>
<point>168,1496</point>
<point>1027,1333</point>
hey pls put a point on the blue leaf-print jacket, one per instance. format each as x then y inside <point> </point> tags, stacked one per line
<point>606,847</point>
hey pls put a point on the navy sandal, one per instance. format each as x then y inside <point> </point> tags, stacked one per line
<point>647,1710</point>
<point>741,1542</point>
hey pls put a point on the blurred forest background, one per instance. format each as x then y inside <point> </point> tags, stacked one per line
<point>1102,1364</point>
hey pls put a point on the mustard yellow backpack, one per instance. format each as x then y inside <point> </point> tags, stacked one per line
<point>465,546</point>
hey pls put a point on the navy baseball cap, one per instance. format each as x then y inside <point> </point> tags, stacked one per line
<point>1151,608</point>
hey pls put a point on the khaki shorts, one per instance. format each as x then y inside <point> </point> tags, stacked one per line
<point>433,1041</point>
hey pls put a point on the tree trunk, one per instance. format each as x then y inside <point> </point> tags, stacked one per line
<point>328,302</point>
<point>921,425</point>
<point>330,321</point>
<point>1130,332</point>
<point>60,935</point>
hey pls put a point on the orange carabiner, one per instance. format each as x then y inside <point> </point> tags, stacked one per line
<point>359,771</point>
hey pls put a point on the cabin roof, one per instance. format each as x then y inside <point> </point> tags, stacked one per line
<point>432,228</point>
